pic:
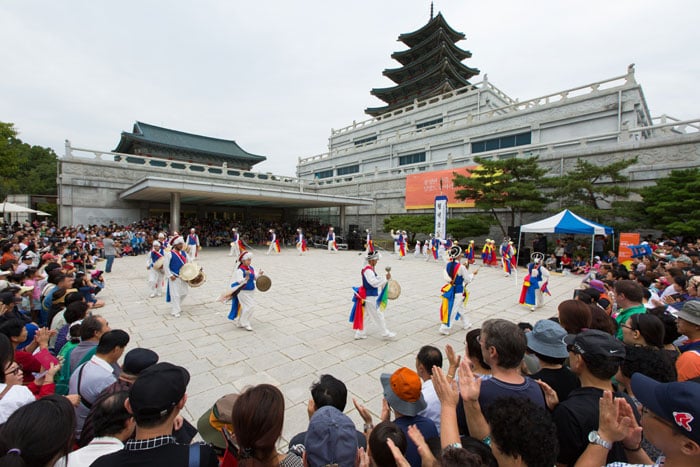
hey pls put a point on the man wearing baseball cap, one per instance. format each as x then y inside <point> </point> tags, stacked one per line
<point>594,356</point>
<point>402,391</point>
<point>688,363</point>
<point>155,400</point>
<point>670,421</point>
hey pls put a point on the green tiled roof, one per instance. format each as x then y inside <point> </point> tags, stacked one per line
<point>179,140</point>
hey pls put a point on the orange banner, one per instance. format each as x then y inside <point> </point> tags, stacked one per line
<point>624,254</point>
<point>422,188</point>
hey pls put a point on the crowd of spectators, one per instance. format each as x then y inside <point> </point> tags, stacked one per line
<point>612,379</point>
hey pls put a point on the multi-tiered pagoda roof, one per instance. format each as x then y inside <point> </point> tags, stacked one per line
<point>431,65</point>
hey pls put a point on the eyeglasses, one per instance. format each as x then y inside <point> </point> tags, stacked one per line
<point>14,371</point>
<point>627,326</point>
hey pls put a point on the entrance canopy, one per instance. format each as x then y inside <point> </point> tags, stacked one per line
<point>568,223</point>
<point>266,194</point>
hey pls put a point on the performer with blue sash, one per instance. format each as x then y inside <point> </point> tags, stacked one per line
<point>156,277</point>
<point>330,238</point>
<point>300,242</point>
<point>535,283</point>
<point>457,277</point>
<point>193,245</point>
<point>274,242</point>
<point>236,244</point>
<point>177,288</point>
<point>242,289</point>
<point>366,298</point>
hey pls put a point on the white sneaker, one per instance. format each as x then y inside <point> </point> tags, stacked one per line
<point>532,308</point>
<point>360,335</point>
<point>389,335</point>
<point>444,330</point>
<point>237,323</point>
<point>175,315</point>
<point>467,324</point>
<point>152,295</point>
<point>249,328</point>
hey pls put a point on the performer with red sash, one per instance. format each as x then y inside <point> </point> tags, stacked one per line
<point>535,283</point>
<point>274,243</point>
<point>369,244</point>
<point>330,238</point>
<point>155,276</point>
<point>237,246</point>
<point>301,242</point>
<point>242,288</point>
<point>435,247</point>
<point>493,257</point>
<point>469,252</point>
<point>457,277</point>
<point>486,252</point>
<point>397,242</point>
<point>367,297</point>
<point>177,288</point>
<point>507,256</point>
<point>403,244</point>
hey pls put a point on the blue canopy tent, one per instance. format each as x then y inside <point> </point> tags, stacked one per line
<point>567,222</point>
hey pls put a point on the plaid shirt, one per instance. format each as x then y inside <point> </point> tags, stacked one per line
<point>151,443</point>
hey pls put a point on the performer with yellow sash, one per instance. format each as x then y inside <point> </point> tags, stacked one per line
<point>366,299</point>
<point>457,277</point>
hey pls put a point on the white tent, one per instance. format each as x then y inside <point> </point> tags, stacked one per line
<point>568,223</point>
<point>8,207</point>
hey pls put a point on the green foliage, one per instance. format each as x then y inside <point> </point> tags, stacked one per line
<point>25,168</point>
<point>459,227</point>
<point>514,184</point>
<point>592,189</point>
<point>674,203</point>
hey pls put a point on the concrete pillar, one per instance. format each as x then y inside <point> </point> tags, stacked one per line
<point>341,219</point>
<point>174,212</point>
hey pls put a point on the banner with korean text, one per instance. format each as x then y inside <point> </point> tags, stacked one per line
<point>422,188</point>
<point>624,254</point>
<point>440,216</point>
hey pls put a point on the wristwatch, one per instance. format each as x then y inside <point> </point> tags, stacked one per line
<point>594,437</point>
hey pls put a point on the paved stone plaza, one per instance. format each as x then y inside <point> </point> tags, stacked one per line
<point>301,327</point>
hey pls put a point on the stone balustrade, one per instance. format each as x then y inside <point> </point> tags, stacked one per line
<point>170,165</point>
<point>531,150</point>
<point>470,118</point>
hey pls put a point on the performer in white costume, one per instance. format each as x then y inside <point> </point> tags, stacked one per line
<point>177,288</point>
<point>330,238</point>
<point>193,245</point>
<point>156,277</point>
<point>236,244</point>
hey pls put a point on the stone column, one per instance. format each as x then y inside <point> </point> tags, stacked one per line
<point>175,212</point>
<point>341,219</point>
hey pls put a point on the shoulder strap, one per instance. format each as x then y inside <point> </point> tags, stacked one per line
<point>195,452</point>
<point>83,401</point>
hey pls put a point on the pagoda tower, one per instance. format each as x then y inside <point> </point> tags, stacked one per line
<point>431,66</point>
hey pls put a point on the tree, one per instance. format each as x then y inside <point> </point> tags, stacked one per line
<point>459,227</point>
<point>25,168</point>
<point>515,185</point>
<point>673,204</point>
<point>593,189</point>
